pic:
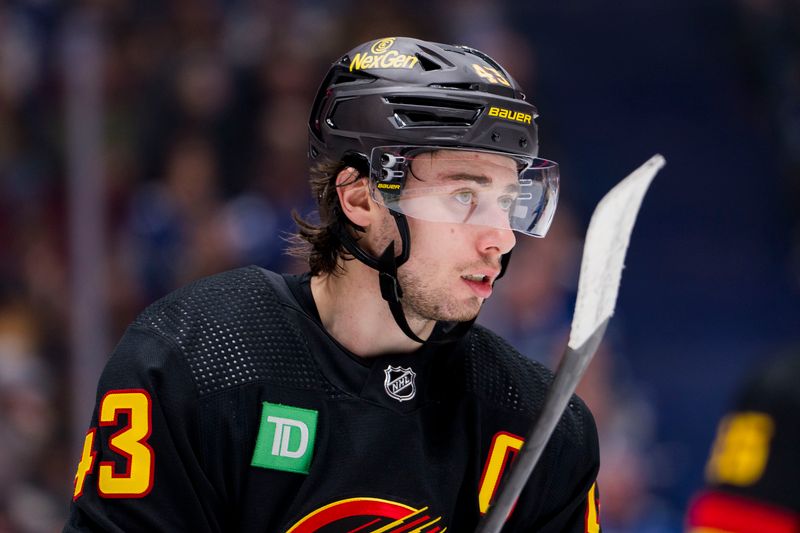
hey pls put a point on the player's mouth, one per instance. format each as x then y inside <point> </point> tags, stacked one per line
<point>481,284</point>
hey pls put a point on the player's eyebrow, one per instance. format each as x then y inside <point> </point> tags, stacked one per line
<point>480,179</point>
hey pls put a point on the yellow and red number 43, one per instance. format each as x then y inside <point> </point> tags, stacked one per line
<point>130,442</point>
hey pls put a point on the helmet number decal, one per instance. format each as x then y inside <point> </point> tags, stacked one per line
<point>491,75</point>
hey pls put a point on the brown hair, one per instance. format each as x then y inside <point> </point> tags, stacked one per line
<point>319,243</point>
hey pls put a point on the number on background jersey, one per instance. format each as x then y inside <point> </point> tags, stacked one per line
<point>741,449</point>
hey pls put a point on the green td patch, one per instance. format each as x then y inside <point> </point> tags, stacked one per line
<point>285,438</point>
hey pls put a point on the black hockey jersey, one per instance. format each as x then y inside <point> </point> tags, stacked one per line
<point>753,473</point>
<point>226,406</point>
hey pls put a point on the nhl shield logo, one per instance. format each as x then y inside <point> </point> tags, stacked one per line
<point>400,383</point>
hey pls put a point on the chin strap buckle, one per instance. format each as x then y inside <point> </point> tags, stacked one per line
<point>390,288</point>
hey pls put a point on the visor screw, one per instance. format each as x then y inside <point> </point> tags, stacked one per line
<point>495,136</point>
<point>523,142</point>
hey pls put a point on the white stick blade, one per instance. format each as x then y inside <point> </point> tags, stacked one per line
<point>607,241</point>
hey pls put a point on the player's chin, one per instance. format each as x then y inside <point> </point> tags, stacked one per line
<point>464,311</point>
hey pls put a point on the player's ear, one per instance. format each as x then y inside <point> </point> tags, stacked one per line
<point>353,190</point>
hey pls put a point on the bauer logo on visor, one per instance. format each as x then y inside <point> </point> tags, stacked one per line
<point>466,186</point>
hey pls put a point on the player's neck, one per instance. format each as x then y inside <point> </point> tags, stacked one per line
<point>354,313</point>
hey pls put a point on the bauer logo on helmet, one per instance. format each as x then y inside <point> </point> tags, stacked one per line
<point>514,116</point>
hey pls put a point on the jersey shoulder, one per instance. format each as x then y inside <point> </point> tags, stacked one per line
<point>497,373</point>
<point>505,379</point>
<point>233,328</point>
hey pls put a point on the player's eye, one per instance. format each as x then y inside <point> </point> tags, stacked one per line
<point>464,197</point>
<point>505,202</point>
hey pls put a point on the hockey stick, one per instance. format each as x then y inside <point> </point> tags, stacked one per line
<point>601,270</point>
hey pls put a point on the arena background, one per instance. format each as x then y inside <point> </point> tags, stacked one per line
<point>146,143</point>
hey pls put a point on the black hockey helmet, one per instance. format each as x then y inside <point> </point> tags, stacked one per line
<point>404,91</point>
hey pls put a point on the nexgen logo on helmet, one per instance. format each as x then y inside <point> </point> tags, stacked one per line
<point>391,59</point>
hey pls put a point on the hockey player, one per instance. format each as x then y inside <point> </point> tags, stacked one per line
<point>359,396</point>
<point>752,475</point>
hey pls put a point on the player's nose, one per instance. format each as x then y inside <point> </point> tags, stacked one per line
<point>493,238</point>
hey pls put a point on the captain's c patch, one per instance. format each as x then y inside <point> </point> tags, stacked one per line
<point>504,447</point>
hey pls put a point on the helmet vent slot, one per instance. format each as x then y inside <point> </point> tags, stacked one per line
<point>443,60</point>
<point>436,103</point>
<point>427,63</point>
<point>432,112</point>
<point>346,79</point>
<point>351,77</point>
<point>465,86</point>
<point>423,119</point>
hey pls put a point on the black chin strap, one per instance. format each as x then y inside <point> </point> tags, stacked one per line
<point>391,290</point>
<point>504,259</point>
<point>387,265</point>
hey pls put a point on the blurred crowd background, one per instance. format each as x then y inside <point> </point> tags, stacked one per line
<point>146,143</point>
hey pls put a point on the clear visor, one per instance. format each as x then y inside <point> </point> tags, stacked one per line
<point>466,186</point>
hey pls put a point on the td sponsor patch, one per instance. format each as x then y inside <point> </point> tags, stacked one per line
<point>285,438</point>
